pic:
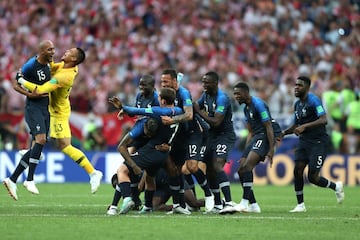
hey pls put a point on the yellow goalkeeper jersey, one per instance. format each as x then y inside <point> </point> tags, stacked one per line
<point>59,98</point>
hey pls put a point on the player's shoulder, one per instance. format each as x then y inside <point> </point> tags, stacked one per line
<point>221,94</point>
<point>30,63</point>
<point>313,99</point>
<point>183,91</point>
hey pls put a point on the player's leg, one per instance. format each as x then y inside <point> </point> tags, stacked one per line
<point>195,150</point>
<point>113,208</point>
<point>247,180</point>
<point>34,160</point>
<point>188,177</point>
<point>198,169</point>
<point>192,203</point>
<point>223,145</point>
<point>174,181</point>
<point>317,158</point>
<point>41,119</point>
<point>124,172</point>
<point>149,191</point>
<point>300,164</point>
<point>60,130</point>
<point>215,189</point>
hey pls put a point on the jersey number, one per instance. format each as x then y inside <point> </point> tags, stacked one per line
<point>258,143</point>
<point>41,75</point>
<point>192,150</point>
<point>319,161</point>
<point>220,148</point>
<point>58,127</point>
<point>175,127</point>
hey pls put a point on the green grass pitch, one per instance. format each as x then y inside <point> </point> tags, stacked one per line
<point>69,211</point>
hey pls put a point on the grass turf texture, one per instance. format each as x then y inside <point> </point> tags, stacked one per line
<point>69,211</point>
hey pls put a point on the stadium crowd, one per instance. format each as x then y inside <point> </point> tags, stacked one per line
<point>265,43</point>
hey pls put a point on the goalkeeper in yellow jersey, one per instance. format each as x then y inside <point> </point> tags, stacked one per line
<point>59,88</point>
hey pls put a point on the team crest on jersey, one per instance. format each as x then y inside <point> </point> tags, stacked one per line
<point>303,112</point>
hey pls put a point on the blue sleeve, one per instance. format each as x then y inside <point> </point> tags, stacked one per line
<point>27,68</point>
<point>186,97</point>
<point>138,128</point>
<point>221,104</point>
<point>316,102</point>
<point>261,108</point>
<point>140,111</point>
<point>155,112</point>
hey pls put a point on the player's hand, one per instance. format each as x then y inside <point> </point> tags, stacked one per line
<point>280,137</point>
<point>116,102</point>
<point>269,157</point>
<point>299,130</point>
<point>163,147</point>
<point>121,114</point>
<point>36,94</point>
<point>19,76</point>
<point>166,120</point>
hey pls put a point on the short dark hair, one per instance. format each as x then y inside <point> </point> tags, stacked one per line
<point>149,78</point>
<point>213,76</point>
<point>242,86</point>
<point>168,94</point>
<point>152,125</point>
<point>306,80</point>
<point>80,56</point>
<point>171,72</point>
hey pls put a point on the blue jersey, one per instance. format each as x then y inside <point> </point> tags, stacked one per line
<point>309,111</point>
<point>256,113</point>
<point>37,73</point>
<point>143,102</point>
<point>138,135</point>
<point>221,104</point>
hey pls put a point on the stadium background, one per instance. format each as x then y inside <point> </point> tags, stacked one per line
<point>265,43</point>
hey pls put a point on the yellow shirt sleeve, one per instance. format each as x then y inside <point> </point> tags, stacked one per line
<point>45,88</point>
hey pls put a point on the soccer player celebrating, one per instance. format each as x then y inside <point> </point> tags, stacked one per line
<point>186,150</point>
<point>138,136</point>
<point>37,117</point>
<point>214,106</point>
<point>309,125</point>
<point>145,98</point>
<point>59,87</point>
<point>260,143</point>
<point>148,157</point>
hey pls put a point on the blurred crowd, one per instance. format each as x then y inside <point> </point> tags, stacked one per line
<point>267,43</point>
